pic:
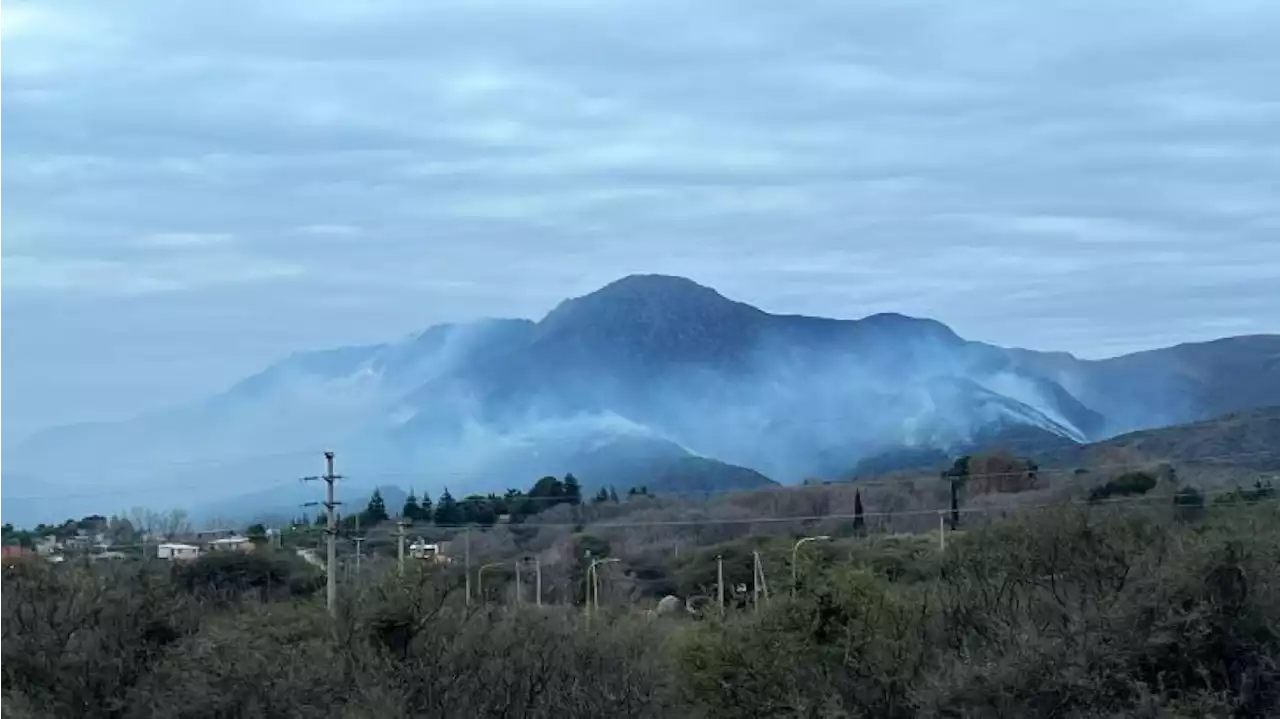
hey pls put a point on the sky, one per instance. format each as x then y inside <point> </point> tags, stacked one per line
<point>193,190</point>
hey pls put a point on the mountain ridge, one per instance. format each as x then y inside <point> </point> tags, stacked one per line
<point>665,359</point>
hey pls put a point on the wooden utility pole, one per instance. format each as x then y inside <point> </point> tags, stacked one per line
<point>331,528</point>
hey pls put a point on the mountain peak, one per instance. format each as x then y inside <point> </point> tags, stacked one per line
<point>655,315</point>
<point>670,289</point>
<point>647,299</point>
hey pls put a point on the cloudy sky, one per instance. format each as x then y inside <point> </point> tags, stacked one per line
<point>191,190</point>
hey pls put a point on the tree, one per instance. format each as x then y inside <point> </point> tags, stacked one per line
<point>1188,504</point>
<point>1127,484</point>
<point>859,521</point>
<point>613,495</point>
<point>257,533</point>
<point>425,510</point>
<point>572,490</point>
<point>411,511</point>
<point>447,511</point>
<point>376,511</point>
<point>601,497</point>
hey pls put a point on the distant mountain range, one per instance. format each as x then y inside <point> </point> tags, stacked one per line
<point>650,380</point>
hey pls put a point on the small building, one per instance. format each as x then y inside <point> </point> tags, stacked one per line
<point>47,545</point>
<point>176,552</point>
<point>231,544</point>
<point>431,552</point>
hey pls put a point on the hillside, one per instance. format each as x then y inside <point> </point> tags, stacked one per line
<point>721,394</point>
<point>1249,439</point>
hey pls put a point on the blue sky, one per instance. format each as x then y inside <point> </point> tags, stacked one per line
<point>193,190</point>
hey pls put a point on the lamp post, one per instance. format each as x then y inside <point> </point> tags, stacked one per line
<point>795,550</point>
<point>480,578</point>
<point>594,575</point>
<point>537,582</point>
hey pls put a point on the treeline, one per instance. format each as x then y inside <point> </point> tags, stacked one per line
<point>1083,611</point>
<point>514,506</point>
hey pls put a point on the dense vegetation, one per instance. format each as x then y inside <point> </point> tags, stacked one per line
<point>1086,610</point>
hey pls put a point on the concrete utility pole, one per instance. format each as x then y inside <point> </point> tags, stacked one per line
<point>720,581</point>
<point>400,544</point>
<point>331,528</point>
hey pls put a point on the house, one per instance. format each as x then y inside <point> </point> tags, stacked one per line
<point>175,552</point>
<point>422,550</point>
<point>231,544</point>
<point>47,545</point>
<point>109,555</point>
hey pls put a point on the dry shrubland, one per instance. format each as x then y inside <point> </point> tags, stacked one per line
<point>1073,612</point>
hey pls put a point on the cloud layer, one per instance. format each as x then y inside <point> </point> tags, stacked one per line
<point>190,191</point>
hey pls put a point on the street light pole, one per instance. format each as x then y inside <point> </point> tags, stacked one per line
<point>480,578</point>
<point>594,575</point>
<point>795,550</point>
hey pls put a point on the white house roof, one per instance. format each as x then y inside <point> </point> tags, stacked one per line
<point>171,545</point>
<point>230,540</point>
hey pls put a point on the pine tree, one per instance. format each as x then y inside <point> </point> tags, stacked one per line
<point>613,495</point>
<point>447,510</point>
<point>572,490</point>
<point>376,511</point>
<point>859,521</point>
<point>601,497</point>
<point>426,512</point>
<point>411,511</point>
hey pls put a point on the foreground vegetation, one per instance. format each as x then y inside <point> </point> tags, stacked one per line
<point>1074,612</point>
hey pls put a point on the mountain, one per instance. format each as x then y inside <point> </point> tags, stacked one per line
<point>650,376</point>
<point>1249,439</point>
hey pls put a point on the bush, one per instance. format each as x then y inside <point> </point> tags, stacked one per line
<point>1083,611</point>
<point>1126,485</point>
<point>260,575</point>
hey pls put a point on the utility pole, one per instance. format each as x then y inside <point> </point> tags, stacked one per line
<point>537,585</point>
<point>720,581</point>
<point>400,544</point>
<point>331,528</point>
